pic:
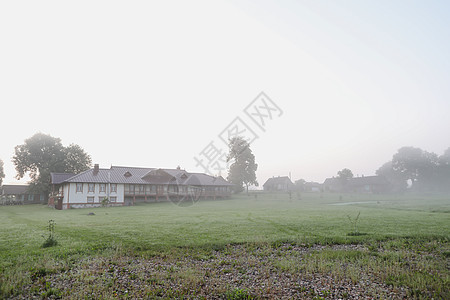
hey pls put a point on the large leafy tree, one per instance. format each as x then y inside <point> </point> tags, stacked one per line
<point>243,167</point>
<point>397,181</point>
<point>76,160</point>
<point>2,172</point>
<point>415,165</point>
<point>425,171</point>
<point>42,154</point>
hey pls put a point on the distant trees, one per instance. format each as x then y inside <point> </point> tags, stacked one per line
<point>42,154</point>
<point>2,172</point>
<point>243,168</point>
<point>345,174</point>
<point>422,170</point>
<point>414,164</point>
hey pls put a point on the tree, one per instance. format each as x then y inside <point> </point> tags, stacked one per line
<point>76,160</point>
<point>443,172</point>
<point>398,183</point>
<point>42,154</point>
<point>444,159</point>
<point>345,174</point>
<point>243,168</point>
<point>2,172</point>
<point>417,166</point>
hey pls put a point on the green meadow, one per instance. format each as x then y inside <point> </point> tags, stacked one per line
<point>389,230</point>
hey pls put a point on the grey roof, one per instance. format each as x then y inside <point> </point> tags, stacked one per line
<point>356,181</point>
<point>204,179</point>
<point>138,175</point>
<point>129,175</point>
<point>330,180</point>
<point>312,184</point>
<point>333,182</point>
<point>14,189</point>
<point>58,178</point>
<point>278,180</point>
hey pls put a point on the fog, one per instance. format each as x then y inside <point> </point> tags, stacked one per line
<point>155,84</point>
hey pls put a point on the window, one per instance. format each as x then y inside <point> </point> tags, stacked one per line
<point>79,187</point>
<point>91,188</point>
<point>30,197</point>
<point>102,187</point>
<point>112,199</point>
<point>90,199</point>
<point>113,188</point>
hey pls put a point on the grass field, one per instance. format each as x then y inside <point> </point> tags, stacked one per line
<point>401,242</point>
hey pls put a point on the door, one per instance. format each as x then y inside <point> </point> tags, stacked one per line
<point>59,202</point>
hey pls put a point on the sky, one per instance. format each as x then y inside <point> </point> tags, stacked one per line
<point>162,83</point>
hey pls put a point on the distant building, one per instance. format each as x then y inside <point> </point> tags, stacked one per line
<point>364,184</point>
<point>20,194</point>
<point>369,184</point>
<point>333,185</point>
<point>278,184</point>
<point>128,185</point>
<point>312,186</point>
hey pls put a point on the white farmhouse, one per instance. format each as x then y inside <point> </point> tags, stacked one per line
<point>119,186</point>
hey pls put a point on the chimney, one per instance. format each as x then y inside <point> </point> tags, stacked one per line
<point>96,168</point>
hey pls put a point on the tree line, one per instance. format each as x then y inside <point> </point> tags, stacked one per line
<point>410,168</point>
<point>418,170</point>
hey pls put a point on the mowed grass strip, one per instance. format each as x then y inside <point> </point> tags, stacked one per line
<point>388,225</point>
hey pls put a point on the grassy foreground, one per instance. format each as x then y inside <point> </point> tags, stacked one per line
<point>403,243</point>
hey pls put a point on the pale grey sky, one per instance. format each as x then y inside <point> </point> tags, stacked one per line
<point>147,83</point>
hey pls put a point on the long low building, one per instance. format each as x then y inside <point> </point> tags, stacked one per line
<point>120,186</point>
<point>19,194</point>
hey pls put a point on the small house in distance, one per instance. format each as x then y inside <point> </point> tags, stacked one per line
<point>19,194</point>
<point>278,184</point>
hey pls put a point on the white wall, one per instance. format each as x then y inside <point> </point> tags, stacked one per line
<point>80,199</point>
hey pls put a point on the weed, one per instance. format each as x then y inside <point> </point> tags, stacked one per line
<point>105,202</point>
<point>238,294</point>
<point>354,223</point>
<point>51,239</point>
<point>50,292</point>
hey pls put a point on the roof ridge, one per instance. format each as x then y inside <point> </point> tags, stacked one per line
<point>62,173</point>
<point>133,167</point>
<point>79,174</point>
